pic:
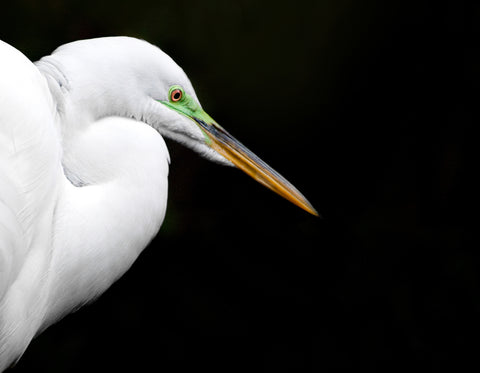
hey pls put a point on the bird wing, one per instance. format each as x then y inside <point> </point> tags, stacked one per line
<point>30,165</point>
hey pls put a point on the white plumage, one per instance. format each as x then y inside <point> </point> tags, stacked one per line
<point>83,172</point>
<point>62,245</point>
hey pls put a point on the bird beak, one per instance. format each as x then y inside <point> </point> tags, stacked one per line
<point>230,148</point>
<point>226,145</point>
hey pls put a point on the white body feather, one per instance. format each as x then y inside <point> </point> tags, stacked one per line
<point>83,178</point>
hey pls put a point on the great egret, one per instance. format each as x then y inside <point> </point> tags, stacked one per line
<point>83,172</point>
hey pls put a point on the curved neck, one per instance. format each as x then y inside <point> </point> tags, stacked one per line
<point>101,228</point>
<point>114,200</point>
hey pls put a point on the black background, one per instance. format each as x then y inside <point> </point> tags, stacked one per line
<point>368,108</point>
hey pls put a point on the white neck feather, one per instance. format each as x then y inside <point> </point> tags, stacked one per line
<point>102,227</point>
<point>92,231</point>
<point>114,200</point>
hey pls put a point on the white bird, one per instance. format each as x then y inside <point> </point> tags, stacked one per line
<point>83,172</point>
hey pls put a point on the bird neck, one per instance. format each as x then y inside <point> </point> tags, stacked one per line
<point>102,226</point>
<point>114,200</point>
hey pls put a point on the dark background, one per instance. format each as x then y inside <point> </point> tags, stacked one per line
<point>368,108</point>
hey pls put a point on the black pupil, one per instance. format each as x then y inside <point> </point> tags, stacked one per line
<point>176,95</point>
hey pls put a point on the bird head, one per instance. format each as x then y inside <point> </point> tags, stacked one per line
<point>131,77</point>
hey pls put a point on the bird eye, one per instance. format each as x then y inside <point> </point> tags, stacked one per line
<point>176,95</point>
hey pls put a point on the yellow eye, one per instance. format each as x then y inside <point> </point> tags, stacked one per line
<point>176,95</point>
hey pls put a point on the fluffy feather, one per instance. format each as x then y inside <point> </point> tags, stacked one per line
<point>83,174</point>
